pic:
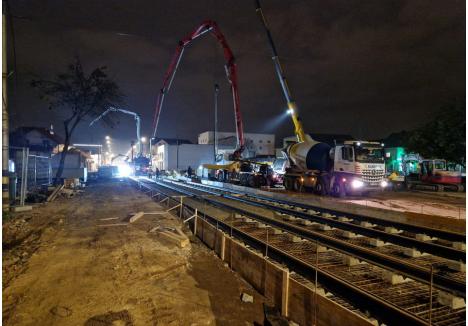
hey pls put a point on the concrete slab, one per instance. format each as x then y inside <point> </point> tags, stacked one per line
<point>17,209</point>
<point>324,227</point>
<point>457,266</point>
<point>349,235</point>
<point>423,237</point>
<point>393,278</point>
<point>390,229</point>
<point>459,245</point>
<point>411,252</point>
<point>448,299</point>
<point>289,218</point>
<point>366,224</point>
<point>275,231</point>
<point>350,261</point>
<point>294,238</point>
<point>322,249</point>
<point>305,222</point>
<point>344,219</point>
<point>376,242</point>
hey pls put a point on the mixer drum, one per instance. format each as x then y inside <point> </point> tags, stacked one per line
<point>318,157</point>
<point>311,155</point>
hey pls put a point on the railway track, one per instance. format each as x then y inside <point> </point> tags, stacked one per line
<point>368,244</point>
<point>368,284</point>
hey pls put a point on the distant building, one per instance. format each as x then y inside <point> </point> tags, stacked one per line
<point>256,144</point>
<point>94,152</point>
<point>179,154</point>
<point>76,164</point>
<point>40,141</point>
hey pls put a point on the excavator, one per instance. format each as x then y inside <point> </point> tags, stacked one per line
<point>238,170</point>
<point>354,167</point>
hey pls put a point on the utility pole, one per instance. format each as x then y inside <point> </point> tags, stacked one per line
<point>177,156</point>
<point>132,143</point>
<point>215,136</point>
<point>5,148</point>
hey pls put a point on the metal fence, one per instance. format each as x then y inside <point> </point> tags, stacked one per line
<point>31,171</point>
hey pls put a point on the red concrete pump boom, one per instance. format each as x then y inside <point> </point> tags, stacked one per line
<point>231,73</point>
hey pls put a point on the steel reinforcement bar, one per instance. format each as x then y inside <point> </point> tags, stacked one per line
<point>400,266</point>
<point>384,310</point>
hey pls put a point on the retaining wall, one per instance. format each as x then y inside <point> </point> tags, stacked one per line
<point>295,300</point>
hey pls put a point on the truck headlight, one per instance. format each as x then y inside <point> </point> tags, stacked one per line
<point>357,184</point>
<point>383,184</point>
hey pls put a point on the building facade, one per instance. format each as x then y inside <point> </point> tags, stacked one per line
<point>179,154</point>
<point>256,144</point>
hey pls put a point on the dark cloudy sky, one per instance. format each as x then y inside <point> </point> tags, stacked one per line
<point>365,68</point>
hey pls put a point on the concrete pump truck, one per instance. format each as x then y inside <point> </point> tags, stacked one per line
<point>354,167</point>
<point>238,170</point>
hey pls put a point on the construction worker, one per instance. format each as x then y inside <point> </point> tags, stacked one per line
<point>157,173</point>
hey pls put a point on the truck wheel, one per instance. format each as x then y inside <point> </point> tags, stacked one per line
<point>262,181</point>
<point>253,182</point>
<point>319,188</point>
<point>339,191</point>
<point>288,183</point>
<point>297,185</point>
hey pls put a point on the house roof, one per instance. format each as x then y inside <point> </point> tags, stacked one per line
<point>23,131</point>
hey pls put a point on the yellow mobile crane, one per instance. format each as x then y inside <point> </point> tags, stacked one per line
<point>351,167</point>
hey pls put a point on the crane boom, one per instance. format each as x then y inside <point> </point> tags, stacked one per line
<point>292,107</point>
<point>134,114</point>
<point>231,73</point>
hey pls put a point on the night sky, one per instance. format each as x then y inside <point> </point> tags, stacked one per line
<point>365,68</point>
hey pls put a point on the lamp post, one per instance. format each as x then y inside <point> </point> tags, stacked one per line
<point>151,150</point>
<point>142,146</point>
<point>215,136</point>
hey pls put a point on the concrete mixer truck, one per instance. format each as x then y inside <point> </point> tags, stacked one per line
<point>354,167</point>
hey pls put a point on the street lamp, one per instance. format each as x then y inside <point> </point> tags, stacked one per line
<point>143,140</point>
<point>151,150</point>
<point>107,137</point>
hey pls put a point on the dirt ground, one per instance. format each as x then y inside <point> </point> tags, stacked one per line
<point>63,266</point>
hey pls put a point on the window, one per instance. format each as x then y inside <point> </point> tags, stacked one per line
<point>347,153</point>
<point>269,142</point>
<point>260,147</point>
<point>260,141</point>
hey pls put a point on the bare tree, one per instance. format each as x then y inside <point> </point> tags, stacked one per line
<point>82,96</point>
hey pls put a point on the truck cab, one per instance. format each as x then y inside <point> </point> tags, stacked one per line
<point>358,167</point>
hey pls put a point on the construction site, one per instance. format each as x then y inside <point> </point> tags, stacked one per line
<point>117,216</point>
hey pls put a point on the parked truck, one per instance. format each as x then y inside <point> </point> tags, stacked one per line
<point>354,167</point>
<point>350,168</point>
